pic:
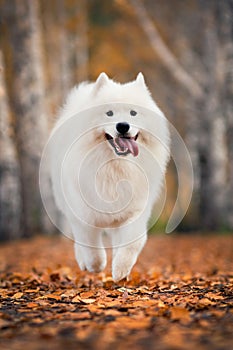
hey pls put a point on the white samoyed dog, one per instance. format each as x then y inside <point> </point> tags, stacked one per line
<point>109,150</point>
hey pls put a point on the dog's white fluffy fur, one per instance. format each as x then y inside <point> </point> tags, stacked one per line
<point>103,191</point>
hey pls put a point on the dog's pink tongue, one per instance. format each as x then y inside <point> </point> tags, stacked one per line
<point>131,144</point>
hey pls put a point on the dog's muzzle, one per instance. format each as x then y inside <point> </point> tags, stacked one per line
<point>123,144</point>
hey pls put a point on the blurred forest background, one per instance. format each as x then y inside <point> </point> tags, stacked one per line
<point>184,49</point>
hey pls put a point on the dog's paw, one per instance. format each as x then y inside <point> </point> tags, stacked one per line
<point>79,258</point>
<point>122,267</point>
<point>125,258</point>
<point>119,273</point>
<point>93,264</point>
<point>91,259</point>
<point>81,265</point>
<point>96,263</point>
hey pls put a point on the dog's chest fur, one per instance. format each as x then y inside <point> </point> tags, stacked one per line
<point>122,186</point>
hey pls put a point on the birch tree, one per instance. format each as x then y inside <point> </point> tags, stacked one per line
<point>66,57</point>
<point>225,11</point>
<point>72,18</point>
<point>10,203</point>
<point>26,94</point>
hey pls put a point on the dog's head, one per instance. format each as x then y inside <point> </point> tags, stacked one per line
<point>122,114</point>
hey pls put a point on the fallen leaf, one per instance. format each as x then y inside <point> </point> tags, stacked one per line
<point>85,295</point>
<point>17,295</point>
<point>88,301</point>
<point>179,313</point>
<point>32,305</point>
<point>52,296</point>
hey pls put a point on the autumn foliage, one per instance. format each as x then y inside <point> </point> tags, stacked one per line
<point>179,296</point>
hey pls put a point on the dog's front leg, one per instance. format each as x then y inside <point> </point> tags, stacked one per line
<point>125,256</point>
<point>89,251</point>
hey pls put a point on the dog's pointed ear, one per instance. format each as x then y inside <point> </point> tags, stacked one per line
<point>100,81</point>
<point>140,79</point>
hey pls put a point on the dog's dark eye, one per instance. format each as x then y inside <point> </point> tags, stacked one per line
<point>109,113</point>
<point>133,113</point>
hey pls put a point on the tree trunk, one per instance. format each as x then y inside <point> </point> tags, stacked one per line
<point>72,17</point>
<point>225,11</point>
<point>81,49</point>
<point>27,102</point>
<point>67,58</point>
<point>212,150</point>
<point>10,203</point>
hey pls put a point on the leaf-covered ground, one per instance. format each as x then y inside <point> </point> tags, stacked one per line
<point>180,296</point>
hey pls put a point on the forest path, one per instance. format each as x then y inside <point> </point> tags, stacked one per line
<point>179,296</point>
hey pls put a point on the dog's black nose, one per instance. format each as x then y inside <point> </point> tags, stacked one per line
<point>122,127</point>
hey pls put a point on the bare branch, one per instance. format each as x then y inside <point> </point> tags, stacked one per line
<point>163,52</point>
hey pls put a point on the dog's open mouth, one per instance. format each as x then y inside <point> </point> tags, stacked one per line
<point>123,145</point>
